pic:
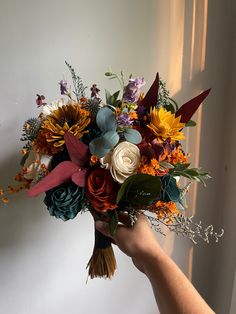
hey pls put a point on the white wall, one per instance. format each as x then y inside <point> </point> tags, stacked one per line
<point>42,260</point>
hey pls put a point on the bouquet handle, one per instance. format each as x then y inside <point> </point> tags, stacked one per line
<point>102,262</point>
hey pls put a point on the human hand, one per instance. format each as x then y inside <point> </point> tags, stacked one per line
<point>137,241</point>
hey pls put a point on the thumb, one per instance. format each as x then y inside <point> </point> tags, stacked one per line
<point>103,227</point>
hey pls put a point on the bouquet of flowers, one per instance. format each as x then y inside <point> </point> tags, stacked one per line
<point>123,155</point>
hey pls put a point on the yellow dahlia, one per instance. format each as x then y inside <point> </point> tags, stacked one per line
<point>165,125</point>
<point>68,118</point>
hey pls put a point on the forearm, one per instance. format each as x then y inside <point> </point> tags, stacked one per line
<point>173,291</point>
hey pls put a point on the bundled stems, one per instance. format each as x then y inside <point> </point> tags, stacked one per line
<point>102,262</point>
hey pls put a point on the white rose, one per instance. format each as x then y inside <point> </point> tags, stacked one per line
<point>123,161</point>
<point>34,163</point>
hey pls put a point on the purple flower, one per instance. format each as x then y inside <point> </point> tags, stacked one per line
<point>40,100</point>
<point>63,87</point>
<point>132,90</point>
<point>123,120</point>
<point>95,91</point>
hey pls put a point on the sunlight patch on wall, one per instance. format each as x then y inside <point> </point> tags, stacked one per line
<point>176,39</point>
<point>198,40</point>
<point>186,34</point>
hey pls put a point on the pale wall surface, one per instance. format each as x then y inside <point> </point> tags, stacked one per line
<point>42,260</point>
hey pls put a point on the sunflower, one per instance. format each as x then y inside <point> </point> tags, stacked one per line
<point>164,125</point>
<point>68,118</point>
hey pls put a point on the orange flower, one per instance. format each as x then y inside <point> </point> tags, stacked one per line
<point>152,168</point>
<point>23,152</point>
<point>165,211</point>
<point>42,145</point>
<point>68,118</point>
<point>133,115</point>
<point>175,157</point>
<point>5,200</point>
<point>93,160</point>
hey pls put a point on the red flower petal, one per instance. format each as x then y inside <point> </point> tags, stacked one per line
<point>78,151</point>
<point>150,99</point>
<point>79,177</point>
<point>187,110</point>
<point>60,174</point>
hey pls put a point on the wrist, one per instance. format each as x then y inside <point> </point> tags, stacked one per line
<point>151,259</point>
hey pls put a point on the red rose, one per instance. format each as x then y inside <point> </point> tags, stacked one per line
<point>101,190</point>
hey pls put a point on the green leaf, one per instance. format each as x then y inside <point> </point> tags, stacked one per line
<point>108,96</point>
<point>181,173</point>
<point>113,223</point>
<point>108,73</point>
<point>192,172</point>
<point>116,94</point>
<point>190,123</point>
<point>112,99</point>
<point>166,165</point>
<point>132,136</point>
<point>179,167</point>
<point>106,120</point>
<point>139,190</point>
<point>170,108</point>
<point>174,103</point>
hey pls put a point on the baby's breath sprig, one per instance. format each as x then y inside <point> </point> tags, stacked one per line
<point>185,226</point>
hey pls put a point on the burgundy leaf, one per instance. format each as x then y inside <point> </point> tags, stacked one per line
<point>60,174</point>
<point>150,100</point>
<point>79,177</point>
<point>78,151</point>
<point>187,110</point>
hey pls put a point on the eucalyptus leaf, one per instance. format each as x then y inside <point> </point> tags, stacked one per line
<point>132,136</point>
<point>106,120</point>
<point>111,139</point>
<point>100,146</point>
<point>96,147</point>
